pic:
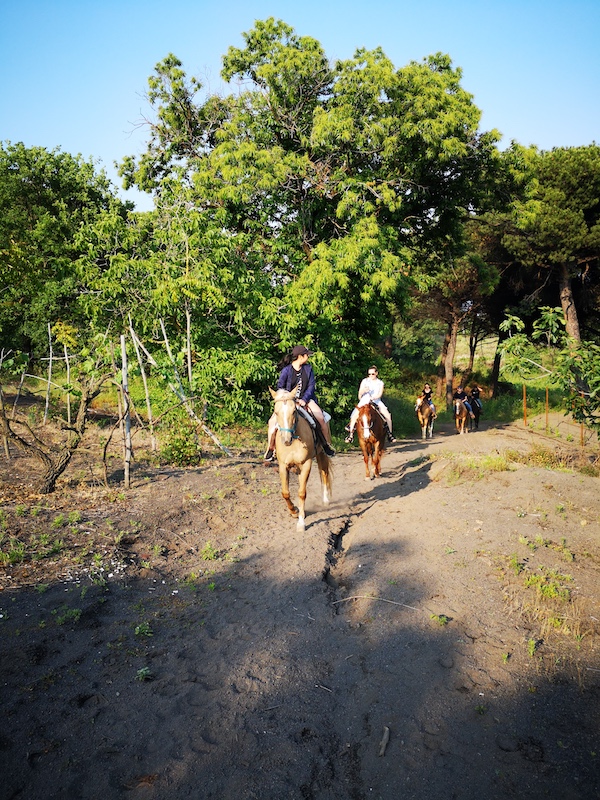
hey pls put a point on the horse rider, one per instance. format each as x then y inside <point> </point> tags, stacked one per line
<point>460,394</point>
<point>297,375</point>
<point>371,391</point>
<point>475,392</point>
<point>425,397</point>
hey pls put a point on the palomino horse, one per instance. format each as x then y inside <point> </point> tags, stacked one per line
<point>425,417</point>
<point>461,416</point>
<point>296,448</point>
<point>371,438</point>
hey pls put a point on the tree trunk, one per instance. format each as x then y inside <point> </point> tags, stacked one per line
<point>473,342</point>
<point>188,344</point>
<point>439,389</point>
<point>495,376</point>
<point>568,304</point>
<point>388,346</point>
<point>56,468</point>
<point>449,371</point>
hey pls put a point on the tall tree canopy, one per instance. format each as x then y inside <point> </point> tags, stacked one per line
<point>338,178</point>
<point>552,237</point>
<point>46,198</point>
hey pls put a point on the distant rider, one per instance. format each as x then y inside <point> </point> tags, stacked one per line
<point>460,394</point>
<point>475,392</point>
<point>426,396</point>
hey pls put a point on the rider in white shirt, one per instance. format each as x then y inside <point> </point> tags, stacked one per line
<point>370,391</point>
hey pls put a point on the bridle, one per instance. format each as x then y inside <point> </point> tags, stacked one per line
<point>295,419</point>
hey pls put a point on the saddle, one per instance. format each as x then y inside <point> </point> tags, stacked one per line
<point>317,433</point>
<point>307,415</point>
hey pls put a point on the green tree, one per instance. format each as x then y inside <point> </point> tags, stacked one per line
<point>554,233</point>
<point>340,178</point>
<point>46,199</point>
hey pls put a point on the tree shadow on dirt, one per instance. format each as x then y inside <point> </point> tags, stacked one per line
<point>271,689</point>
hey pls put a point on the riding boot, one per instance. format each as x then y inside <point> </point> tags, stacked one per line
<point>328,449</point>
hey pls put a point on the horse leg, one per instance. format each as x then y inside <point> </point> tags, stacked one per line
<point>364,446</point>
<point>284,477</point>
<point>377,460</point>
<point>367,467</point>
<point>325,475</point>
<point>302,481</point>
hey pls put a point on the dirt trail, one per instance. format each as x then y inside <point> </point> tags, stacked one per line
<point>275,662</point>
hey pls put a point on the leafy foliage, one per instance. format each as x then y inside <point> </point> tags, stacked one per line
<point>46,199</point>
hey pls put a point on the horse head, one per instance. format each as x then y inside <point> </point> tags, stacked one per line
<point>365,420</point>
<point>286,413</point>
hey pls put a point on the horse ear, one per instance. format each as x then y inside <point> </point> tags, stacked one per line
<point>272,392</point>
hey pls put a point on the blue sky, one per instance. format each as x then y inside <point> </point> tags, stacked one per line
<point>73,73</point>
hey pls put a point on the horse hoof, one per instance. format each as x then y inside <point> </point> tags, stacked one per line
<point>300,527</point>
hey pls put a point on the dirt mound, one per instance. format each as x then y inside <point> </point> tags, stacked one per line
<point>432,634</point>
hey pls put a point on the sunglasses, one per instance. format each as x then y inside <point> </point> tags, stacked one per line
<point>372,373</point>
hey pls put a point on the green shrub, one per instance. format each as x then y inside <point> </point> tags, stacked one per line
<point>182,446</point>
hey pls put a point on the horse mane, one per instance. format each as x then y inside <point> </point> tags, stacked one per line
<point>282,394</point>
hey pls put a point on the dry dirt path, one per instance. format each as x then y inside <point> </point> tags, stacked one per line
<point>278,670</point>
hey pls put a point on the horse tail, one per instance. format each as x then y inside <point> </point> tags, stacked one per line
<point>326,473</point>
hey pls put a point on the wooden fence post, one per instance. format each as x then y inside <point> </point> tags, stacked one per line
<point>49,376</point>
<point>127,413</point>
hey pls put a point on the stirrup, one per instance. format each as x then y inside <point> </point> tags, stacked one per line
<point>350,438</point>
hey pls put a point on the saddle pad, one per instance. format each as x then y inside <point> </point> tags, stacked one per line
<point>307,416</point>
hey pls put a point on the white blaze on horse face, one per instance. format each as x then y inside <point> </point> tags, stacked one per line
<point>366,429</point>
<point>286,423</point>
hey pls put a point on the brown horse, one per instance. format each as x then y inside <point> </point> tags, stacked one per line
<point>296,448</point>
<point>425,416</point>
<point>461,416</point>
<point>371,437</point>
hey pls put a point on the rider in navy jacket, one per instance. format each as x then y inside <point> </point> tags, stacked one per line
<point>298,376</point>
<point>289,381</point>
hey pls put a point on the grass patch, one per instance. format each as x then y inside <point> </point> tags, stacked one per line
<point>474,468</point>
<point>554,459</point>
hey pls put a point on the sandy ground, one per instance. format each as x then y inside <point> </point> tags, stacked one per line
<point>432,634</point>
